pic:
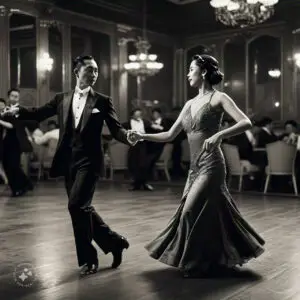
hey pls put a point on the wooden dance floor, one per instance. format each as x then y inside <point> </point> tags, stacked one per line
<point>38,261</point>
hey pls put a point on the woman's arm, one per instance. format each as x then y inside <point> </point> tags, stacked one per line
<point>242,121</point>
<point>6,125</point>
<point>167,136</point>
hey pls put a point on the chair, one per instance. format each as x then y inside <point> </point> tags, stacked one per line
<point>36,161</point>
<point>118,157</point>
<point>236,166</point>
<point>164,159</point>
<point>281,158</point>
<point>48,155</point>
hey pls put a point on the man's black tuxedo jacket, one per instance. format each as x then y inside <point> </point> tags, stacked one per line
<point>17,136</point>
<point>264,138</point>
<point>91,126</point>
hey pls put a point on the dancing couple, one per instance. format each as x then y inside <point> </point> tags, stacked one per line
<point>207,230</point>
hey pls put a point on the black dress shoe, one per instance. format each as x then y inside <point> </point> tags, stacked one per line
<point>88,269</point>
<point>19,193</point>
<point>118,253</point>
<point>148,187</point>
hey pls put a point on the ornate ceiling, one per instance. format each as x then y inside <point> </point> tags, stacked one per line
<point>176,17</point>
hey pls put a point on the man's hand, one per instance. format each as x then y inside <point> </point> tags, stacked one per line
<point>10,110</point>
<point>133,137</point>
<point>157,126</point>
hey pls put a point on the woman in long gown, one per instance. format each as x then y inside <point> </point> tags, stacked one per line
<point>207,231</point>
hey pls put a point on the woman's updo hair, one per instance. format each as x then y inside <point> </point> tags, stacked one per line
<point>211,65</point>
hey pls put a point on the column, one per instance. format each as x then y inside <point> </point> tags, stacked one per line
<point>123,82</point>
<point>114,71</point>
<point>288,99</point>
<point>42,46</point>
<point>219,48</point>
<point>88,45</point>
<point>67,57</point>
<point>179,82</point>
<point>4,52</point>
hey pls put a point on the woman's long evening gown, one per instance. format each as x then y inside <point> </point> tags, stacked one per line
<point>207,229</point>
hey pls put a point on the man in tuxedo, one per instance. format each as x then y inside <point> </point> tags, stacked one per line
<point>158,124</point>
<point>79,158</point>
<point>138,160</point>
<point>266,134</point>
<point>16,142</point>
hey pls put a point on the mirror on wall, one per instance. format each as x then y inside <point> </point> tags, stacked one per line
<point>23,73</point>
<point>234,70</point>
<point>200,49</point>
<point>264,58</point>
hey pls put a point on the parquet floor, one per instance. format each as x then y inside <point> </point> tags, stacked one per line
<point>36,229</point>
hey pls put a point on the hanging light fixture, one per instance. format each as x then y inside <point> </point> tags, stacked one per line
<point>142,63</point>
<point>243,12</point>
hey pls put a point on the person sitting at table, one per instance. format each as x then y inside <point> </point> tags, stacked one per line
<point>266,134</point>
<point>290,132</point>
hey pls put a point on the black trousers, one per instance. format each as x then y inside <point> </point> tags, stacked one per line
<point>80,182</point>
<point>139,163</point>
<point>17,179</point>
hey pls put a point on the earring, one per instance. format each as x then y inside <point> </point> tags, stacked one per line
<point>203,76</point>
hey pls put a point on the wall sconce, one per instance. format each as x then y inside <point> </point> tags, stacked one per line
<point>45,65</point>
<point>297,59</point>
<point>274,73</point>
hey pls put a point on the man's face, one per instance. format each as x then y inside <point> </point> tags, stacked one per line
<point>88,73</point>
<point>137,115</point>
<point>14,97</point>
<point>289,128</point>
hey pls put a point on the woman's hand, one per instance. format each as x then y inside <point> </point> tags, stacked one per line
<point>212,142</point>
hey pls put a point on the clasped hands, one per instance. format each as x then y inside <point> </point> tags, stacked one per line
<point>12,110</point>
<point>133,137</point>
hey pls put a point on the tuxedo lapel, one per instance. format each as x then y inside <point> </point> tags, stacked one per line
<point>90,103</point>
<point>66,106</point>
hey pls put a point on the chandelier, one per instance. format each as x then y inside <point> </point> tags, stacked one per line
<point>142,63</point>
<point>243,12</point>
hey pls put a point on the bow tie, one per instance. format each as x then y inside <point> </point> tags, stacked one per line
<point>82,93</point>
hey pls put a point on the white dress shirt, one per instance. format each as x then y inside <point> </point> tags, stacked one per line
<point>158,121</point>
<point>79,101</point>
<point>266,130</point>
<point>137,125</point>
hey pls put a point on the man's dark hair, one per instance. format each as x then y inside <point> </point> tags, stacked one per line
<point>158,110</point>
<point>52,122</point>
<point>292,123</point>
<point>3,100</point>
<point>79,61</point>
<point>135,110</point>
<point>13,90</point>
<point>264,121</point>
